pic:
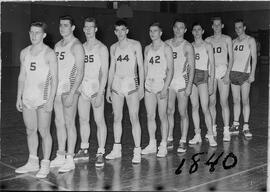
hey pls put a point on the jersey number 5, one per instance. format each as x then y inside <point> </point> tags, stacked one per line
<point>33,66</point>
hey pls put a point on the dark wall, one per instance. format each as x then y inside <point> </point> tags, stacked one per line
<point>16,18</point>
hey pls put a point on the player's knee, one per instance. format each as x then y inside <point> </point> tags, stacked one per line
<point>99,121</point>
<point>183,114</point>
<point>44,131</point>
<point>151,116</point>
<point>195,107</point>
<point>212,102</point>
<point>59,122</point>
<point>84,120</point>
<point>170,111</point>
<point>205,109</point>
<point>134,118</point>
<point>31,131</point>
<point>117,118</point>
<point>224,103</point>
<point>70,124</point>
<point>236,100</point>
<point>245,101</point>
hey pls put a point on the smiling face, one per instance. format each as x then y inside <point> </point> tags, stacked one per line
<point>66,28</point>
<point>36,35</point>
<point>179,29</point>
<point>121,32</point>
<point>197,31</point>
<point>89,29</point>
<point>155,33</point>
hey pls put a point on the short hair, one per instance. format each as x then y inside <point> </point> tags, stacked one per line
<point>240,21</point>
<point>197,23</point>
<point>40,24</point>
<point>67,17</point>
<point>91,20</point>
<point>156,24</point>
<point>216,18</point>
<point>121,23</point>
<point>179,20</point>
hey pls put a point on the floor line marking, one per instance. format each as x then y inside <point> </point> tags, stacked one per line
<point>48,182</point>
<point>226,177</point>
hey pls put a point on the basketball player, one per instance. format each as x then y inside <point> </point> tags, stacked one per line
<point>222,48</point>
<point>158,63</point>
<point>37,84</point>
<point>242,75</point>
<point>202,88</point>
<point>181,85</point>
<point>92,91</point>
<point>70,55</point>
<point>126,55</point>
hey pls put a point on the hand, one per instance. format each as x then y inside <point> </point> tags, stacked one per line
<point>141,93</point>
<point>188,90</point>
<point>226,79</point>
<point>98,100</point>
<point>67,99</point>
<point>19,105</point>
<point>48,106</point>
<point>163,93</point>
<point>251,79</point>
<point>210,88</point>
<point>109,96</point>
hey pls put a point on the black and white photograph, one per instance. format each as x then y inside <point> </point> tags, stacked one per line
<point>135,96</point>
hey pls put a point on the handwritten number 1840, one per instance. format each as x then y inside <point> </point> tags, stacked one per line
<point>194,166</point>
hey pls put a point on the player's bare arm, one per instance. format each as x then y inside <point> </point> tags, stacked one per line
<point>169,74</point>
<point>78,52</point>
<point>139,57</point>
<point>111,73</point>
<point>210,53</point>
<point>189,53</point>
<point>253,50</point>
<point>52,61</point>
<point>146,50</point>
<point>104,56</point>
<point>226,78</point>
<point>21,80</point>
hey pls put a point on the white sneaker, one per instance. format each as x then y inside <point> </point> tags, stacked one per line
<point>196,139</point>
<point>136,155</point>
<point>215,130</point>
<point>31,165</point>
<point>115,153</point>
<point>68,165</point>
<point>59,161</point>
<point>150,148</point>
<point>162,151</point>
<point>44,169</point>
<point>212,141</point>
<point>226,134</point>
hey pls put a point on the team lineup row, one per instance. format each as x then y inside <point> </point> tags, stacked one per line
<point>74,76</point>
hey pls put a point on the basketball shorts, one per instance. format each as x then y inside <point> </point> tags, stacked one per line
<point>220,71</point>
<point>33,99</point>
<point>153,85</point>
<point>89,88</point>
<point>238,78</point>
<point>200,77</point>
<point>124,86</point>
<point>179,84</point>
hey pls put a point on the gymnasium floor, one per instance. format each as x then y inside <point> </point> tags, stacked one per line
<point>248,174</point>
